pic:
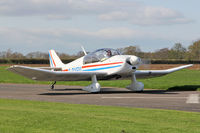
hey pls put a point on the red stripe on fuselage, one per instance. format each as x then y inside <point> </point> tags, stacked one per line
<point>101,64</point>
<point>52,59</point>
<point>65,70</point>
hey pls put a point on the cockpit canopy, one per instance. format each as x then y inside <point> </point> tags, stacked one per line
<point>100,55</point>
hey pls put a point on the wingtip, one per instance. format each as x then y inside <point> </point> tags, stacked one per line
<point>189,65</point>
<point>12,68</point>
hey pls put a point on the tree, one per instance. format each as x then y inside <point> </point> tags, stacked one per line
<point>131,50</point>
<point>194,50</point>
<point>17,55</point>
<point>177,51</point>
<point>11,55</point>
<point>80,54</point>
<point>161,54</point>
<point>37,55</point>
<point>64,56</point>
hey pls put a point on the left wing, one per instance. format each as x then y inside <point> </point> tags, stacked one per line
<point>157,73</point>
<point>49,75</point>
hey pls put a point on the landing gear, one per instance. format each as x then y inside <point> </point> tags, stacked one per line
<point>135,85</point>
<point>52,86</point>
<point>94,87</point>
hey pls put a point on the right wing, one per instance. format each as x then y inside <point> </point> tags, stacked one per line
<point>49,75</point>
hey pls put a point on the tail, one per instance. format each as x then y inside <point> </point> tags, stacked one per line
<point>54,59</point>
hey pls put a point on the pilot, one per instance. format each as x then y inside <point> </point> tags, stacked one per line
<point>109,53</point>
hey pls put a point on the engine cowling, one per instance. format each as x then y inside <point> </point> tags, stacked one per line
<point>133,61</point>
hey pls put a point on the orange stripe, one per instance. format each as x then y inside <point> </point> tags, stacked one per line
<point>65,70</point>
<point>52,59</point>
<point>101,64</point>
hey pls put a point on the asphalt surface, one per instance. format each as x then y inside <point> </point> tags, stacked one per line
<point>159,99</point>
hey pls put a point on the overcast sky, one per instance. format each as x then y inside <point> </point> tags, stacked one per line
<point>65,25</point>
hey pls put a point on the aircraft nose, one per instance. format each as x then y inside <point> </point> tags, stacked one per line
<point>134,60</point>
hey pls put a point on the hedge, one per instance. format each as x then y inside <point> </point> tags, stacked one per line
<point>46,61</point>
<point>29,61</point>
<point>174,61</point>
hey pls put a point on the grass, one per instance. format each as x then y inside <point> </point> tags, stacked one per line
<point>180,80</point>
<point>19,116</point>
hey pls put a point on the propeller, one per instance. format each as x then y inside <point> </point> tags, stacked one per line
<point>134,61</point>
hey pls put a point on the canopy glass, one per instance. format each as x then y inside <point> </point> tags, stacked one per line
<point>100,55</point>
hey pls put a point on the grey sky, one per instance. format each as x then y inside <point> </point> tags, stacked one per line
<point>65,25</point>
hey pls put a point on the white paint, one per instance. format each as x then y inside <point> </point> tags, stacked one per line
<point>144,97</point>
<point>193,98</point>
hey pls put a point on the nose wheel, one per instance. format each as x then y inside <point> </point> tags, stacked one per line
<point>52,86</point>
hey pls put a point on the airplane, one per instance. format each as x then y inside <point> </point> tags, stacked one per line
<point>102,64</point>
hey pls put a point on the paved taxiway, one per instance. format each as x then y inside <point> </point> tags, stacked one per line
<point>175,100</point>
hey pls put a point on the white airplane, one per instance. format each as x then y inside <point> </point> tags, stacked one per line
<point>102,64</point>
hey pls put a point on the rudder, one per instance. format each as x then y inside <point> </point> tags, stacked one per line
<point>54,59</point>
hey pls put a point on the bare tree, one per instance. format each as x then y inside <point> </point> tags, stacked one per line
<point>11,55</point>
<point>37,55</point>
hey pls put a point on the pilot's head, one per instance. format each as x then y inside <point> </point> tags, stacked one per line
<point>109,53</point>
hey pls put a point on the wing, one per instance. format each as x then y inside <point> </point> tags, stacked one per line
<point>49,75</point>
<point>157,73</point>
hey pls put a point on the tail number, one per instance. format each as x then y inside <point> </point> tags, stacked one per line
<point>75,69</point>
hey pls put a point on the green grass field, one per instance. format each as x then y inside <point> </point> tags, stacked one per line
<point>180,80</point>
<point>19,116</point>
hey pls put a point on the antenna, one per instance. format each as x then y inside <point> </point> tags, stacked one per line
<point>83,50</point>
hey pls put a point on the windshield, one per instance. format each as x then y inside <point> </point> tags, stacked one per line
<point>100,55</point>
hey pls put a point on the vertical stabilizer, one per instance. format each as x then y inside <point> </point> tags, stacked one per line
<point>54,59</point>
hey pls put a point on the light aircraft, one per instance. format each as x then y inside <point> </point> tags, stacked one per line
<point>102,64</point>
